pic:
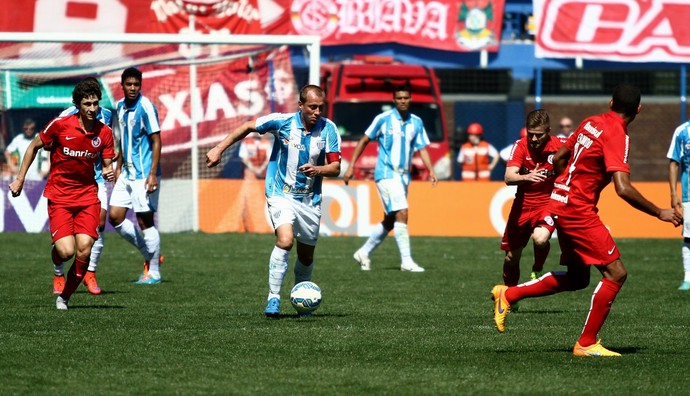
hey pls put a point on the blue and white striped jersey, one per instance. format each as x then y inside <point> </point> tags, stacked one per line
<point>136,124</point>
<point>293,147</point>
<point>106,117</point>
<point>398,140</point>
<point>679,151</point>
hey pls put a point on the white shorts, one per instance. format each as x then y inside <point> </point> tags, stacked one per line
<point>686,220</point>
<point>393,194</point>
<point>305,218</point>
<point>131,194</point>
<point>103,195</point>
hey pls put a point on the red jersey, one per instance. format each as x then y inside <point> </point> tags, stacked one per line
<point>74,152</point>
<point>598,148</point>
<point>527,159</point>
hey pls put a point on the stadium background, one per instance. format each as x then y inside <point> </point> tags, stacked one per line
<point>494,85</point>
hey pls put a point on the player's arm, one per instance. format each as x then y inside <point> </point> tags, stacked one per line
<point>18,183</point>
<point>560,159</point>
<point>426,159</point>
<point>359,149</point>
<point>514,178</point>
<point>216,153</point>
<point>330,169</point>
<point>673,168</point>
<point>634,198</point>
<point>107,170</point>
<point>152,179</point>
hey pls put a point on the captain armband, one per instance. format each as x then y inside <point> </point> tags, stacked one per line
<point>333,157</point>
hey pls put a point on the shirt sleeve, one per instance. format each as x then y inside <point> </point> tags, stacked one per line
<point>616,151</point>
<point>518,157</point>
<point>375,127</point>
<point>422,139</point>
<point>50,132</point>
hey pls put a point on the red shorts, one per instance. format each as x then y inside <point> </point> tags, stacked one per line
<point>585,241</point>
<point>72,220</point>
<point>521,223</point>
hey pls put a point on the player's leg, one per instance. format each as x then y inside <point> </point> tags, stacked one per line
<point>511,267</point>
<point>685,253</point>
<point>306,230</point>
<point>402,238</point>
<point>97,248</point>
<point>60,220</point>
<point>379,231</point>
<point>120,203</point>
<point>602,300</point>
<point>685,249</point>
<point>145,205</point>
<point>282,216</point>
<point>542,246</point>
<point>85,224</point>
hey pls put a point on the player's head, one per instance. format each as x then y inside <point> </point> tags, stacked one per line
<point>626,101</point>
<point>402,98</point>
<point>86,96</point>
<point>311,102</point>
<point>131,83</point>
<point>85,89</point>
<point>29,127</point>
<point>130,72</point>
<point>538,128</point>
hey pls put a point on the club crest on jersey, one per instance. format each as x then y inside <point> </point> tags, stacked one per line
<point>549,159</point>
<point>96,142</point>
<point>321,144</point>
<point>549,220</point>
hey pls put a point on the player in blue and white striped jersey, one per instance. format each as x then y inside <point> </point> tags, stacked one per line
<point>138,174</point>
<point>679,170</point>
<point>399,134</point>
<point>306,148</point>
<point>106,117</point>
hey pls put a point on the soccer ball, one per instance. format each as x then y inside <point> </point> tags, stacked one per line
<point>305,297</point>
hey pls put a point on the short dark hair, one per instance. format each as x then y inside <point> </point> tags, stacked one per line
<point>626,99</point>
<point>401,88</point>
<point>85,88</point>
<point>305,90</point>
<point>537,118</point>
<point>130,72</point>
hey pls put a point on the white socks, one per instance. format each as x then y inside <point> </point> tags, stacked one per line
<point>277,267</point>
<point>96,250</point>
<point>152,240</point>
<point>403,240</point>
<point>685,250</point>
<point>302,272</point>
<point>127,230</point>
<point>378,234</point>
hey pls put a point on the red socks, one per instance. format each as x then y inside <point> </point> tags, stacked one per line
<point>540,256</point>
<point>602,299</point>
<point>551,283</point>
<point>74,277</point>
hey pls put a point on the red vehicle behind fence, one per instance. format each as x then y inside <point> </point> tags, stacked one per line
<point>358,90</point>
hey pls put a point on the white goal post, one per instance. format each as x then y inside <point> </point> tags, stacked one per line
<point>311,43</point>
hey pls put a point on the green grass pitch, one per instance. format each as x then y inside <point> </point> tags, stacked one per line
<point>382,332</point>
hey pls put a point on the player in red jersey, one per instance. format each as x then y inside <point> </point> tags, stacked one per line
<point>593,156</point>
<point>75,143</point>
<point>530,168</point>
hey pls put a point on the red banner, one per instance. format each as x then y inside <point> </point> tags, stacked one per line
<point>466,25</point>
<point>451,25</point>
<point>230,94</point>
<point>616,30</point>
